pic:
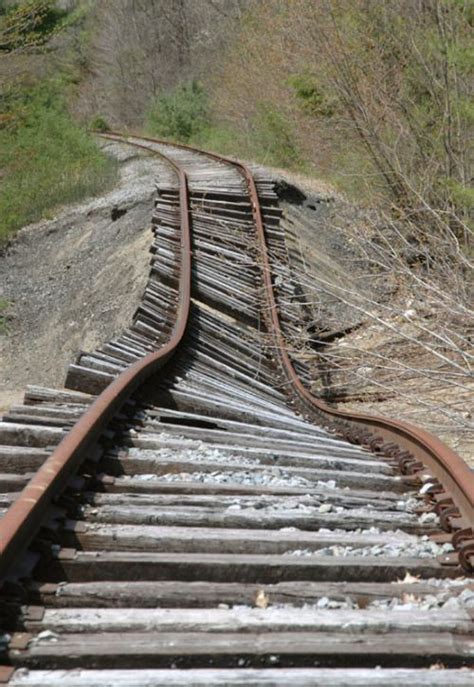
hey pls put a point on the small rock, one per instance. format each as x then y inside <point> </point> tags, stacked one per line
<point>428,517</point>
<point>48,635</point>
<point>467,597</point>
<point>453,602</point>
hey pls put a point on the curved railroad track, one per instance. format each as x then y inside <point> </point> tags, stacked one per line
<point>185,511</point>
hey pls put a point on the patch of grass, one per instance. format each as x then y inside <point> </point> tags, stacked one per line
<point>310,97</point>
<point>220,140</point>
<point>180,115</point>
<point>99,123</point>
<point>274,138</point>
<point>4,304</point>
<point>184,115</point>
<point>46,159</point>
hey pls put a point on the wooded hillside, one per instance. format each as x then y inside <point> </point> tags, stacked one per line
<point>375,97</point>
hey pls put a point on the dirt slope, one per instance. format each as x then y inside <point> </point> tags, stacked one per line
<point>73,281</point>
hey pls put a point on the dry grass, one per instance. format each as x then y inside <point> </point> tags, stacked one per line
<point>409,354</point>
<point>373,371</point>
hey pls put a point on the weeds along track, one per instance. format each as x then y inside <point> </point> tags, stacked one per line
<point>184,512</point>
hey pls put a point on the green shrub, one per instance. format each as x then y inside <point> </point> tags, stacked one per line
<point>181,115</point>
<point>99,123</point>
<point>4,305</point>
<point>274,138</point>
<point>310,97</point>
<point>29,24</point>
<point>219,139</point>
<point>46,159</point>
<point>184,115</point>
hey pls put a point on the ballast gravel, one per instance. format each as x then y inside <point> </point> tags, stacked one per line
<point>263,478</point>
<point>428,602</point>
<point>197,455</point>
<point>447,599</point>
<point>419,547</point>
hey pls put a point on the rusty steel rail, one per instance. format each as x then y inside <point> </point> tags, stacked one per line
<point>24,517</point>
<point>410,447</point>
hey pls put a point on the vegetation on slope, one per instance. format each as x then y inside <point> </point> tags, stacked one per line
<point>181,114</point>
<point>46,158</point>
<point>377,95</point>
<point>184,114</point>
<point>28,24</point>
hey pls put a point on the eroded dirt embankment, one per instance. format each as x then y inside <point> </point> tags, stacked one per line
<point>73,281</point>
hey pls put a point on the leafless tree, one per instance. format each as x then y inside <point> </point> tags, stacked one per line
<point>139,48</point>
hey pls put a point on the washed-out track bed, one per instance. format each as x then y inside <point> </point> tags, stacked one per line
<point>214,524</point>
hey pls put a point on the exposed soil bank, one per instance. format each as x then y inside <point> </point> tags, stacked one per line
<point>74,281</point>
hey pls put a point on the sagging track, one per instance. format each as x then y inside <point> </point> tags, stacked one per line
<point>190,541</point>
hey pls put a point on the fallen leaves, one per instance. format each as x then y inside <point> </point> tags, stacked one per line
<point>408,579</point>
<point>261,599</point>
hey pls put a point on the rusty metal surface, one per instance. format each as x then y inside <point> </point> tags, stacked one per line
<point>24,517</point>
<point>6,673</point>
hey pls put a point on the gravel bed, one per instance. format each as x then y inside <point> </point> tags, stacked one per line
<point>446,599</point>
<point>427,602</point>
<point>264,478</point>
<point>419,547</point>
<point>314,507</point>
<point>278,477</point>
<point>201,453</point>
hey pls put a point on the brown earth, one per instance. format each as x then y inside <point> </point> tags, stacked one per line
<point>73,281</point>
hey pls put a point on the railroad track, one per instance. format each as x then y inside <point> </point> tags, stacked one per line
<point>185,512</point>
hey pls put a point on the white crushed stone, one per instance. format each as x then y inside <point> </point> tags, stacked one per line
<point>443,583</point>
<point>409,504</point>
<point>428,518</point>
<point>419,547</point>
<point>197,451</point>
<point>428,602</point>
<point>246,477</point>
<point>329,484</point>
<point>446,599</point>
<point>158,436</point>
<point>47,635</point>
